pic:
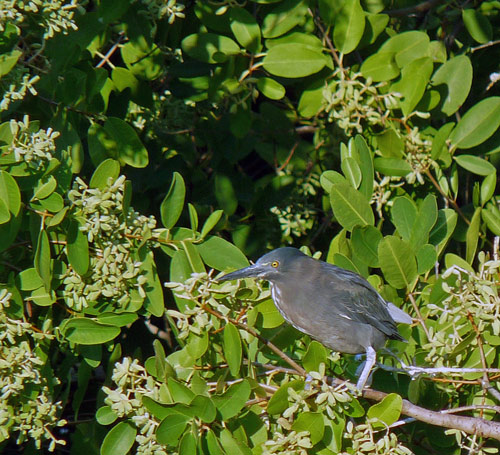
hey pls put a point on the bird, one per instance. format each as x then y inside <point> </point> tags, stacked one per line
<point>334,306</point>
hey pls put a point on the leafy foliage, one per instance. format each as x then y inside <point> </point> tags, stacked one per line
<point>147,142</point>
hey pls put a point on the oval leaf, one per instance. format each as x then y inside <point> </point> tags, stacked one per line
<point>397,262</point>
<point>475,164</point>
<point>42,259</point>
<point>388,410</point>
<point>232,348</point>
<point>221,255</point>
<point>293,60</point>
<point>478,124</point>
<point>173,203</point>
<point>349,26</point>
<point>77,248</point>
<point>86,331</point>
<point>119,440</point>
<point>350,207</point>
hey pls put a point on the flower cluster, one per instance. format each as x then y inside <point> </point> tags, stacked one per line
<point>297,215</point>
<point>318,396</point>
<point>354,102</point>
<point>15,85</point>
<point>53,16</point>
<point>366,440</point>
<point>26,408</point>
<point>132,383</point>
<point>159,9</point>
<point>32,145</point>
<point>114,238</point>
<point>473,296</point>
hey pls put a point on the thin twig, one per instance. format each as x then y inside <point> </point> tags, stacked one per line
<point>263,340</point>
<point>419,315</point>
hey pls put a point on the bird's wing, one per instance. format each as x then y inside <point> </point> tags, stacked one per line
<point>356,299</point>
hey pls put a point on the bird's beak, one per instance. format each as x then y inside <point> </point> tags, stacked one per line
<point>251,271</point>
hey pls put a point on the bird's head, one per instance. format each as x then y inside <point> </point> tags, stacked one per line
<point>272,266</point>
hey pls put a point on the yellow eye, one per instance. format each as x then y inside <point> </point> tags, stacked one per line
<point>275,264</point>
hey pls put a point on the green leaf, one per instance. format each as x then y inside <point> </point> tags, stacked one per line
<point>9,193</point>
<point>404,216</point>
<point>188,444</point>
<point>231,402</point>
<point>475,164</point>
<point>271,317</point>
<point>154,302</point>
<point>119,439</point>
<point>408,46</point>
<point>77,248</point>
<point>330,178</point>
<point>233,445</point>
<point>211,222</point>
<point>203,408</point>
<point>45,187</point>
<point>397,262</point>
<point>426,258</point>
<point>127,146</point>
<point>173,203</point>
<point>283,18</point>
<point>232,348</point>
<point>144,60</point>
<point>213,445</point>
<point>8,61</point>
<point>392,166</point>
<point>478,25</point>
<point>350,207</point>
<point>225,194</point>
<point>352,171</point>
<point>293,60</point>
<point>313,423</point>
<point>316,353</point>
<point>171,428</point>
<point>245,29</point>
<point>426,219</point>
<point>364,242</point>
<point>349,26</point>
<point>414,78</point>
<point>381,67</point>
<point>472,236</point>
<point>491,216</point>
<point>312,99</point>
<point>443,228</point>
<point>180,393</point>
<point>365,165</point>
<point>488,187</point>
<point>341,260</point>
<point>221,255</point>
<point>42,259</point>
<point>478,124</point>
<point>41,297</point>
<point>86,331</point>
<point>53,203</point>
<point>107,171</point>
<point>271,88</point>
<point>117,319</point>
<point>4,212</point>
<point>28,280</point>
<point>388,410</point>
<point>451,259</point>
<point>455,75</point>
<point>118,140</point>
<point>105,415</point>
<point>209,47</point>
<point>279,401</point>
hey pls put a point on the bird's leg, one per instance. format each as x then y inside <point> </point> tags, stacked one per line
<point>371,357</point>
